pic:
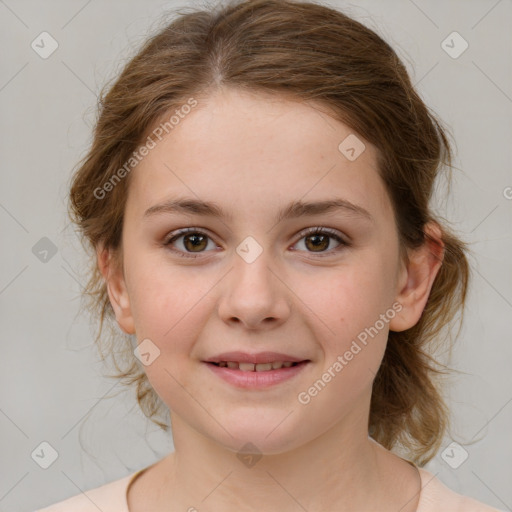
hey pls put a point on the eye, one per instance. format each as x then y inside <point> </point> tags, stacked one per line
<point>194,241</point>
<point>318,240</point>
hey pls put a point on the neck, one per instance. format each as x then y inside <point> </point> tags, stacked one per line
<point>340,470</point>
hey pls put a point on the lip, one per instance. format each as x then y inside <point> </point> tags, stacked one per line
<point>257,380</point>
<point>259,357</point>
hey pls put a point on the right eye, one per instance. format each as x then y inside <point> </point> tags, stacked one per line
<point>192,239</point>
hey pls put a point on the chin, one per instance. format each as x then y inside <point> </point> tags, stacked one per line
<point>254,435</point>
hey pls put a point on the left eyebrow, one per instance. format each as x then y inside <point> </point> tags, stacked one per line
<point>293,210</point>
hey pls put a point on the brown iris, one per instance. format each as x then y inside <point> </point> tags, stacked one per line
<point>321,241</point>
<point>196,241</point>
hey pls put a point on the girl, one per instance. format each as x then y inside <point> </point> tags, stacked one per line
<point>257,197</point>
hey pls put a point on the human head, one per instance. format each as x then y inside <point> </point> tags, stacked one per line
<point>314,54</point>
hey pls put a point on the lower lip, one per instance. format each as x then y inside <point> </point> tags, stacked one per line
<point>256,380</point>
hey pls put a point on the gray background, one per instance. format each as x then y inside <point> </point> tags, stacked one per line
<point>51,384</point>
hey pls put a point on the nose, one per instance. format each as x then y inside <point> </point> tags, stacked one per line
<point>254,295</point>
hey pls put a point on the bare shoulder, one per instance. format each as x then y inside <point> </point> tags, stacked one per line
<point>144,491</point>
<point>110,496</point>
<point>437,497</point>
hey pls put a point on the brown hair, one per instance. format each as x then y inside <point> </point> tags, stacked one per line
<point>311,53</point>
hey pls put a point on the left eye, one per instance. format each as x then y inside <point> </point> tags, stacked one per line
<point>196,241</point>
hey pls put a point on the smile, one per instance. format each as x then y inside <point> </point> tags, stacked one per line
<point>256,375</point>
<point>259,367</point>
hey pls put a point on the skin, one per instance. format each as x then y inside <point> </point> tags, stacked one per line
<point>252,154</point>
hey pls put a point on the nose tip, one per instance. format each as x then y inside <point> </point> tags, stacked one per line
<point>253,296</point>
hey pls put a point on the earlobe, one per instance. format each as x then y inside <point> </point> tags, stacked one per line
<point>417,278</point>
<point>116,288</point>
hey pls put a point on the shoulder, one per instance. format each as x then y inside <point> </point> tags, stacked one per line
<point>111,497</point>
<point>436,497</point>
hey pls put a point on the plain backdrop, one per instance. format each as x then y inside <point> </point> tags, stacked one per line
<point>52,388</point>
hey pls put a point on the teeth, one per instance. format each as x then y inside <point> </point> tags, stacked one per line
<point>263,367</point>
<point>259,367</point>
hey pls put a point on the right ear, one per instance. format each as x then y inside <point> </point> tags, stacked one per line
<point>116,288</point>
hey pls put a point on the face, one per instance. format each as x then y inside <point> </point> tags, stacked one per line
<point>258,278</point>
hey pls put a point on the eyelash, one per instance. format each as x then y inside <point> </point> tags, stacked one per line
<point>308,232</point>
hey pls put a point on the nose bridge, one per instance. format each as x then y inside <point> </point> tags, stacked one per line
<point>253,293</point>
<point>252,279</point>
<point>252,269</point>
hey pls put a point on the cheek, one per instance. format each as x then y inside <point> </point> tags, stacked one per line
<point>168,311</point>
<point>166,306</point>
<point>357,294</point>
<point>160,294</point>
<point>356,304</point>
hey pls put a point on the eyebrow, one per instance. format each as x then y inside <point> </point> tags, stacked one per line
<point>293,210</point>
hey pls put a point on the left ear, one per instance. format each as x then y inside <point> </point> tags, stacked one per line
<point>417,277</point>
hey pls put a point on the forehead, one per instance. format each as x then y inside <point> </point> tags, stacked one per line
<point>240,148</point>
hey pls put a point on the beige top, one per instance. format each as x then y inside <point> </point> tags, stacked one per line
<point>112,497</point>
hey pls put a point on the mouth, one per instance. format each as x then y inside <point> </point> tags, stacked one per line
<point>256,376</point>
<point>256,367</point>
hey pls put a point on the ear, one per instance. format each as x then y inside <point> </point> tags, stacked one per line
<point>417,277</point>
<point>116,287</point>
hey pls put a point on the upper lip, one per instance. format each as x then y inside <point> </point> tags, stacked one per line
<point>260,357</point>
